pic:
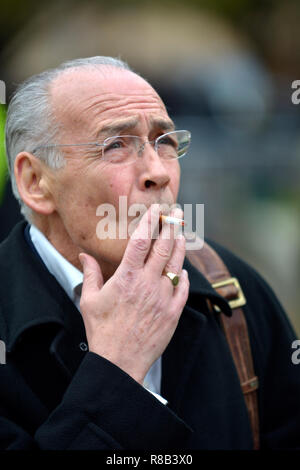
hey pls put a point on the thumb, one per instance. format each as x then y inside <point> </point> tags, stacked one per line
<point>92,275</point>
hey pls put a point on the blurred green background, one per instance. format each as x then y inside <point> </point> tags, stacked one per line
<point>224,69</point>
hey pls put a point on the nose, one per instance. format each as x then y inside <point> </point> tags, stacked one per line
<point>153,172</point>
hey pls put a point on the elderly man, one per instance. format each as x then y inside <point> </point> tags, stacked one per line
<point>102,351</point>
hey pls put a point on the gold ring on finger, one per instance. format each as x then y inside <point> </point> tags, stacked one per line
<point>174,278</point>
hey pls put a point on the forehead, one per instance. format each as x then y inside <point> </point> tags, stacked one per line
<point>83,98</point>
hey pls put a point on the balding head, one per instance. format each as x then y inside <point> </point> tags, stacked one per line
<point>80,96</point>
<point>30,121</point>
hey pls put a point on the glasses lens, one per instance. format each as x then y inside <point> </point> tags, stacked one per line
<point>174,144</point>
<point>120,149</point>
<point>124,149</point>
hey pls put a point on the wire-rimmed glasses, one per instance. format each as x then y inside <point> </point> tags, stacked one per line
<point>125,149</point>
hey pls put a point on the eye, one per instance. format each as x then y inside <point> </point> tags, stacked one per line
<point>114,145</point>
<point>167,140</point>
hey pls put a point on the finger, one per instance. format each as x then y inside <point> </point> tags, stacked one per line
<point>140,241</point>
<point>181,293</point>
<point>162,247</point>
<point>175,262</point>
<point>92,275</point>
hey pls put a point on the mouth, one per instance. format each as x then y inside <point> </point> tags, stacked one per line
<point>165,207</point>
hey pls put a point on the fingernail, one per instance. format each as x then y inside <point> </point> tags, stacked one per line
<point>81,259</point>
<point>178,213</point>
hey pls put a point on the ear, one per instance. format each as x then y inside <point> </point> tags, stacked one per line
<point>33,184</point>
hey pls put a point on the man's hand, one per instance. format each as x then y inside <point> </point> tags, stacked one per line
<point>132,317</point>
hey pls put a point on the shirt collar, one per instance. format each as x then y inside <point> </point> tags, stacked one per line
<point>69,277</point>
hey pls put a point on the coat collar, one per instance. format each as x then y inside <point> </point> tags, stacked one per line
<point>30,295</point>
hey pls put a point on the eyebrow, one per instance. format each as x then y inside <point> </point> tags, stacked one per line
<point>117,126</point>
<point>163,124</point>
<point>125,124</point>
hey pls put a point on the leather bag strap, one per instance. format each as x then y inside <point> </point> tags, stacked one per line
<point>209,263</point>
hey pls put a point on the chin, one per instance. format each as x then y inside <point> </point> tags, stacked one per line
<point>112,252</point>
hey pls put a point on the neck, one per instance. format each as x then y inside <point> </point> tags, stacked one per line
<point>57,235</point>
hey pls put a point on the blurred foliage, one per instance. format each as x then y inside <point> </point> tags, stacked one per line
<point>271,25</point>
<point>3,165</point>
<point>14,13</point>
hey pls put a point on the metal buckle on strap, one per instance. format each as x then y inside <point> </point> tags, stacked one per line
<point>234,303</point>
<point>250,385</point>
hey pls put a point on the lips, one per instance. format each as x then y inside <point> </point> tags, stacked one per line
<point>165,207</point>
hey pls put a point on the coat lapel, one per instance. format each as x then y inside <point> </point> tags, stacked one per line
<point>67,352</point>
<point>180,355</point>
<point>183,350</point>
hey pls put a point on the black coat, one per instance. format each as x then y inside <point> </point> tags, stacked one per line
<point>55,395</point>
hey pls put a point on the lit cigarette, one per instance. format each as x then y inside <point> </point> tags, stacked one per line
<point>171,220</point>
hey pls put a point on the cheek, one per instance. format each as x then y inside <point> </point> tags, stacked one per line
<point>118,183</point>
<point>82,190</point>
<point>174,173</point>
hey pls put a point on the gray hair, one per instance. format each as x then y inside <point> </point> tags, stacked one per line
<point>30,122</point>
